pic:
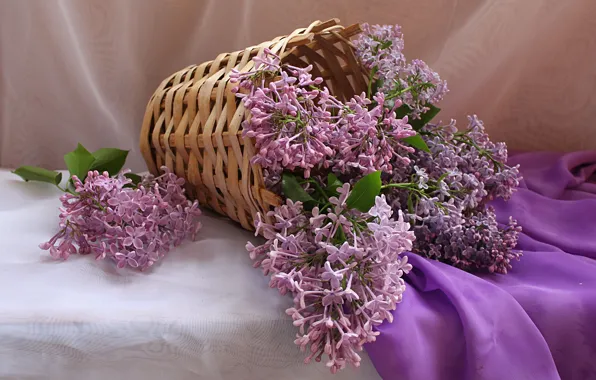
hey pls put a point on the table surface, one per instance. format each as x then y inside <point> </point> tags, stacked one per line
<point>203,313</point>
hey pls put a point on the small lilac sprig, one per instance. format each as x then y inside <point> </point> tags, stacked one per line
<point>132,226</point>
<point>418,86</point>
<point>343,267</point>
<point>379,49</point>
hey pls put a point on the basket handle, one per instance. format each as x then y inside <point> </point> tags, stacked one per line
<point>306,39</point>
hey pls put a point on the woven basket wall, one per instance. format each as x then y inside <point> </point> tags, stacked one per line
<point>193,121</point>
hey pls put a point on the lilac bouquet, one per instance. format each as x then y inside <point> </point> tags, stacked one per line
<point>363,181</point>
<point>114,214</point>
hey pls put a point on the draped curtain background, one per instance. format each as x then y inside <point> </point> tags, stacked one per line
<point>83,70</point>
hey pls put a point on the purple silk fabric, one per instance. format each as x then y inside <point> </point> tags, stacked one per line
<point>538,322</point>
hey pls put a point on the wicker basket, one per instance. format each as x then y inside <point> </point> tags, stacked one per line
<point>193,121</point>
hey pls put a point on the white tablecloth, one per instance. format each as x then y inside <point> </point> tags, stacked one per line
<point>204,313</point>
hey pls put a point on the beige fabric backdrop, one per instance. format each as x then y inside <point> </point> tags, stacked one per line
<point>82,70</point>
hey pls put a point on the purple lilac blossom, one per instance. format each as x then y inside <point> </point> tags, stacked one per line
<point>131,226</point>
<point>381,46</point>
<point>418,86</point>
<point>454,184</point>
<point>341,289</point>
<point>478,243</point>
<point>379,49</point>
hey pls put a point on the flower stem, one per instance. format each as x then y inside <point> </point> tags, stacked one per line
<point>467,140</point>
<point>407,185</point>
<point>66,190</point>
<point>371,76</point>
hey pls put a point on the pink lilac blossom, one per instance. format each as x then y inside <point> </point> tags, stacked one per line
<point>290,127</point>
<point>343,268</point>
<point>131,226</point>
<point>379,49</point>
<point>368,137</point>
<point>297,125</point>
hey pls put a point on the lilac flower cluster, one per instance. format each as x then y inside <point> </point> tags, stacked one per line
<point>290,128</point>
<point>379,49</point>
<point>445,191</point>
<point>297,125</point>
<point>478,243</point>
<point>451,187</point>
<point>418,86</point>
<point>474,163</point>
<point>132,226</point>
<point>369,140</point>
<point>343,268</point>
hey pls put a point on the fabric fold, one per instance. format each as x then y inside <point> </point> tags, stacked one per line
<point>537,322</point>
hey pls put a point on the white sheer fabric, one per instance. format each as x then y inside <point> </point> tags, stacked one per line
<point>83,70</point>
<point>203,314</point>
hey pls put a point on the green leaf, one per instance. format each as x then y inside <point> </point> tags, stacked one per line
<point>109,160</point>
<point>33,173</point>
<point>332,184</point>
<point>386,45</point>
<point>79,162</point>
<point>364,192</point>
<point>136,179</point>
<point>425,118</point>
<point>417,142</point>
<point>430,114</point>
<point>402,111</point>
<point>291,189</point>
